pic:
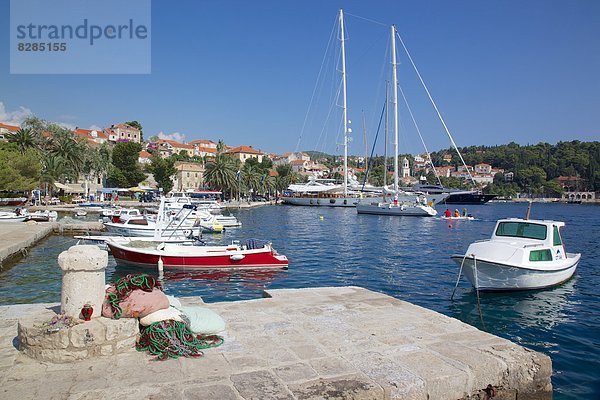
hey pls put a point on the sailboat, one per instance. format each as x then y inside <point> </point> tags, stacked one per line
<point>417,206</point>
<point>326,193</point>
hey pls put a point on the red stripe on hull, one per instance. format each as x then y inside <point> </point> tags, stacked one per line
<point>251,260</point>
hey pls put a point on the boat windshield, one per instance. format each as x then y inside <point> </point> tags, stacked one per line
<point>521,230</point>
<point>556,239</point>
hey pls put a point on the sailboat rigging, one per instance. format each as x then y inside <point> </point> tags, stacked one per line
<point>319,193</point>
<point>396,207</point>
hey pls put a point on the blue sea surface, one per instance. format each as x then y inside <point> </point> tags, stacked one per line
<point>405,257</point>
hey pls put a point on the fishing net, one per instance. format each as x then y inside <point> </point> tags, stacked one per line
<point>125,286</point>
<point>174,339</point>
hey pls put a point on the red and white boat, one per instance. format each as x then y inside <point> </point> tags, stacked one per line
<point>253,254</point>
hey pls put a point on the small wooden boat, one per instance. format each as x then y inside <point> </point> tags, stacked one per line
<point>253,254</point>
<point>521,254</point>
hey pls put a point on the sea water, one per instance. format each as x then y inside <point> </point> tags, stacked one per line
<point>405,257</point>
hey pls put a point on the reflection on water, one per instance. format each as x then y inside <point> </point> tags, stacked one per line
<point>539,309</point>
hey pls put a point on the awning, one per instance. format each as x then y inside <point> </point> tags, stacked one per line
<point>69,189</point>
<point>61,186</point>
<point>135,189</point>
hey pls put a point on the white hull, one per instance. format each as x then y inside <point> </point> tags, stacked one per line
<point>493,276</point>
<point>149,231</point>
<point>395,209</point>
<point>324,201</point>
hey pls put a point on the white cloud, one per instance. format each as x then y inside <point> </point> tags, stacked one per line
<point>94,128</point>
<point>14,117</point>
<point>172,136</point>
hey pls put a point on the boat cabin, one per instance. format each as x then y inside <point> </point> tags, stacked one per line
<point>541,237</point>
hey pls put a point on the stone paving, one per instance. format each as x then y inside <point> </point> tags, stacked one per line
<point>319,343</point>
<point>16,237</point>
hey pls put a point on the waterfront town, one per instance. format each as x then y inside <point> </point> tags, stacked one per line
<point>191,160</point>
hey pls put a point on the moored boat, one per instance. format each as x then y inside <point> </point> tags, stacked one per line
<point>521,254</point>
<point>12,217</point>
<point>252,254</point>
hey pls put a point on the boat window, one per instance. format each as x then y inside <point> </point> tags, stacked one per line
<point>540,255</point>
<point>521,230</point>
<point>556,237</point>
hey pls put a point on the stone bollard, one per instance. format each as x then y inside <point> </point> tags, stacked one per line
<point>83,279</point>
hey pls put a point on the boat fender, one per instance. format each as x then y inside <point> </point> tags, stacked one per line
<point>237,257</point>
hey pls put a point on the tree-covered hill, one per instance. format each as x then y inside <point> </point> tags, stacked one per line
<point>542,162</point>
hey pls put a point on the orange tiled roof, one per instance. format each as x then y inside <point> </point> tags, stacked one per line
<point>11,128</point>
<point>175,143</point>
<point>87,133</point>
<point>144,154</point>
<point>207,149</point>
<point>244,149</point>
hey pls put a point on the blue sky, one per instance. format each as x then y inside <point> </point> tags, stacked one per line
<point>244,72</point>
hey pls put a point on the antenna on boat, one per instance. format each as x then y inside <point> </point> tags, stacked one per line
<point>528,210</point>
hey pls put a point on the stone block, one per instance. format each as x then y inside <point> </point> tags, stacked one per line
<point>120,328</point>
<point>245,363</point>
<point>307,351</point>
<point>259,385</point>
<point>295,373</point>
<point>211,392</point>
<point>88,334</point>
<point>352,387</point>
<point>126,344</point>
<point>332,366</point>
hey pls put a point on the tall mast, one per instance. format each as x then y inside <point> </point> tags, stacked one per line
<point>344,105</point>
<point>395,103</point>
<point>385,144</point>
<point>365,140</point>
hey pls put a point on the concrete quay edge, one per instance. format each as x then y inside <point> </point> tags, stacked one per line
<point>317,343</point>
<point>17,237</point>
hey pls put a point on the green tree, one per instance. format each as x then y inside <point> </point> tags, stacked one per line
<point>25,139</point>
<point>64,145</point>
<point>220,174</point>
<point>18,171</point>
<point>162,169</point>
<point>126,169</point>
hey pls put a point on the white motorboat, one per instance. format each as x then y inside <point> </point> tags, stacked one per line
<point>521,254</point>
<point>42,216</point>
<point>12,217</point>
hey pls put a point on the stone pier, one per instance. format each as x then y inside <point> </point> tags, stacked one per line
<point>318,343</point>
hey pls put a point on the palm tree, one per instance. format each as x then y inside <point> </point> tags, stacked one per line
<point>251,178</point>
<point>24,138</point>
<point>52,170</point>
<point>220,174</point>
<point>72,152</point>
